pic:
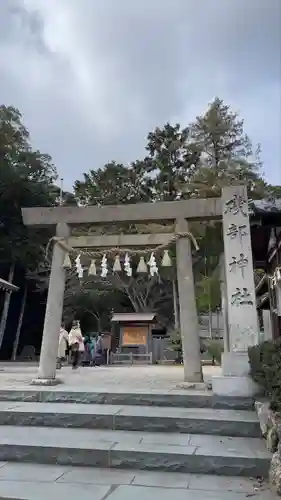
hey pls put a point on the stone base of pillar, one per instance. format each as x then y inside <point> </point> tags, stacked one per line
<point>46,381</point>
<point>235,364</point>
<point>197,386</point>
<point>235,379</point>
<point>196,378</point>
<point>234,386</point>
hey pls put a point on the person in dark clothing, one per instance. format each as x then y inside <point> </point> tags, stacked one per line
<point>76,342</point>
<point>98,352</point>
<point>75,355</point>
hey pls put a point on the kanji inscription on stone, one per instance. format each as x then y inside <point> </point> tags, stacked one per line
<point>239,276</point>
<point>246,338</point>
<point>235,230</point>
<point>239,263</point>
<point>241,297</point>
<point>236,205</point>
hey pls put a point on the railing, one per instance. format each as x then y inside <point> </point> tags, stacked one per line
<point>129,358</point>
<point>166,361</point>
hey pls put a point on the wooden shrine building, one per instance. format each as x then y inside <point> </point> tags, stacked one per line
<point>266,247</point>
<point>133,334</point>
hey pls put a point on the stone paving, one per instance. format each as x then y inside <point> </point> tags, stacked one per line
<point>42,482</point>
<point>169,452</point>
<point>131,418</point>
<point>104,378</point>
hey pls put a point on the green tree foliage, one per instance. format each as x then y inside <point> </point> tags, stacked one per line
<point>64,198</point>
<point>208,294</point>
<point>91,305</point>
<point>171,161</point>
<point>219,134</point>
<point>26,179</point>
<point>120,293</point>
<point>114,184</point>
<point>227,154</point>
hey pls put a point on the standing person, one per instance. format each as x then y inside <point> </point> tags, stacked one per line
<point>76,343</point>
<point>63,344</point>
<point>93,350</point>
<point>98,356</point>
<point>87,361</point>
<point>86,357</point>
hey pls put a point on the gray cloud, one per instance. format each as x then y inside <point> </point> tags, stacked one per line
<point>92,78</point>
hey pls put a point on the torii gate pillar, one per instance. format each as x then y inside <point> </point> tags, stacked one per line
<point>53,315</point>
<point>188,311</point>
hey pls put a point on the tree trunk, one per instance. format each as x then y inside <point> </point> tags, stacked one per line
<point>210,315</point>
<point>218,322</point>
<point>17,338</point>
<point>176,308</point>
<point>5,311</point>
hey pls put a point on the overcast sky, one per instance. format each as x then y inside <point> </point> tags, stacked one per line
<point>93,77</point>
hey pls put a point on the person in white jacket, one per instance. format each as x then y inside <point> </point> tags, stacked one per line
<point>63,343</point>
<point>76,343</point>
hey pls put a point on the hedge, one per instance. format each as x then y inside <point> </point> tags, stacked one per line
<point>265,363</point>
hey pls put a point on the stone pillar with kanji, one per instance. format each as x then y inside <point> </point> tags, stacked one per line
<point>242,318</point>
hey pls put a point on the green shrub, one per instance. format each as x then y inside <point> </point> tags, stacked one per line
<point>265,363</point>
<point>176,345</point>
<point>214,347</point>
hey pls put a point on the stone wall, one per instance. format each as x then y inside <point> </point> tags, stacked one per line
<point>270,423</point>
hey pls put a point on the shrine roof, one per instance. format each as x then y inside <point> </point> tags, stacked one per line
<point>8,287</point>
<point>133,317</point>
<point>267,211</point>
<point>266,205</point>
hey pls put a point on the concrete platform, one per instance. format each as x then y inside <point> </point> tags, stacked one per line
<point>170,452</point>
<point>235,386</point>
<point>42,482</point>
<point>132,418</point>
<point>121,385</point>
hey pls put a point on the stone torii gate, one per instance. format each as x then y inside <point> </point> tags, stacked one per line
<point>180,212</point>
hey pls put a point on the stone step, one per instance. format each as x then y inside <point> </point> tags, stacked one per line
<point>42,482</point>
<point>169,452</point>
<point>177,398</point>
<point>132,418</point>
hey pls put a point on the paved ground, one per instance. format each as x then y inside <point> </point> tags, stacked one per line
<point>38,482</point>
<point>105,378</point>
<point>42,482</point>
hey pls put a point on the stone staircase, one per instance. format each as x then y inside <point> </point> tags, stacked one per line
<point>197,434</point>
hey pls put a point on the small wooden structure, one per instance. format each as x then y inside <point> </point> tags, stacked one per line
<point>135,337</point>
